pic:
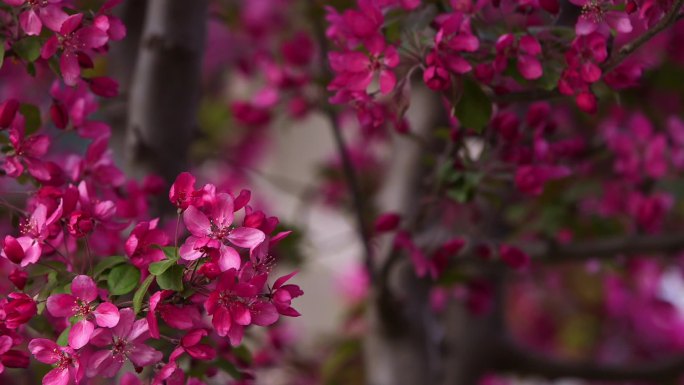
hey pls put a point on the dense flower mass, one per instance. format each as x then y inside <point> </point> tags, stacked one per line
<point>552,132</point>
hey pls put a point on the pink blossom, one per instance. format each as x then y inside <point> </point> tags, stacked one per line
<point>39,13</point>
<point>597,15</point>
<point>235,304</point>
<point>214,231</point>
<point>283,294</point>
<point>84,292</point>
<point>68,369</point>
<point>182,193</point>
<point>143,245</point>
<point>126,342</point>
<point>18,310</point>
<point>530,179</point>
<point>356,70</point>
<point>387,222</point>
<point>74,40</point>
<point>526,50</point>
<point>514,257</point>
<point>28,153</point>
<point>11,358</point>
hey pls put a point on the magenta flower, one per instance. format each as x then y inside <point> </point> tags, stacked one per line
<point>526,50</point>
<point>530,179</point>
<point>11,358</point>
<point>27,249</point>
<point>23,250</point>
<point>126,342</point>
<point>599,15</point>
<point>27,153</point>
<point>235,304</point>
<point>387,222</point>
<point>73,39</point>
<point>586,54</point>
<point>37,13</point>
<point>514,257</point>
<point>18,311</point>
<point>142,246</point>
<point>214,231</point>
<point>84,291</point>
<point>182,193</point>
<point>68,368</point>
<point>356,70</point>
<point>283,294</point>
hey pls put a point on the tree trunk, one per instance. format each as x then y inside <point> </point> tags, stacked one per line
<point>165,90</point>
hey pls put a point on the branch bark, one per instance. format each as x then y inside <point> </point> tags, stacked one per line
<point>525,362</point>
<point>667,21</point>
<point>166,86</point>
<point>606,248</point>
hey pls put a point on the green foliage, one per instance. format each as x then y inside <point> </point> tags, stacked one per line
<point>473,109</point>
<point>107,264</point>
<point>28,48</point>
<point>140,293</point>
<point>229,368</point>
<point>158,268</point>
<point>123,279</point>
<point>171,278</point>
<point>63,339</point>
<point>32,116</point>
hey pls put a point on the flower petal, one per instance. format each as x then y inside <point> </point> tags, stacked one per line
<point>106,315</point>
<point>246,237</point>
<point>84,288</point>
<point>80,334</point>
<point>61,305</point>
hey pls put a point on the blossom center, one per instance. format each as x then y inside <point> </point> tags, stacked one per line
<point>120,349</point>
<point>64,360</point>
<point>83,309</point>
<point>594,10</point>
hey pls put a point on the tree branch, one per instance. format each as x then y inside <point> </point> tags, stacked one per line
<point>539,94</point>
<point>606,248</point>
<point>527,96</point>
<point>518,360</point>
<point>165,90</point>
<point>347,165</point>
<point>626,50</point>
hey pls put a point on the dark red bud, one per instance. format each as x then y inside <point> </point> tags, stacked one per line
<point>18,278</point>
<point>59,115</point>
<point>631,7</point>
<point>550,6</point>
<point>104,86</point>
<point>8,110</point>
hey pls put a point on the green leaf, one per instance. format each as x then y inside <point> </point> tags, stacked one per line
<point>172,278</point>
<point>158,268</point>
<point>171,252</point>
<point>27,48</point>
<point>474,109</point>
<point>32,115</point>
<point>63,339</point>
<point>243,353</point>
<point>108,263</point>
<point>46,267</point>
<point>2,52</point>
<point>140,293</point>
<point>123,279</point>
<point>229,368</point>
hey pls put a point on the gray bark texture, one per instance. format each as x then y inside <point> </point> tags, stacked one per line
<point>165,90</point>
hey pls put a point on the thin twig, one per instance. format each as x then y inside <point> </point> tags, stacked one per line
<point>518,360</point>
<point>347,165</point>
<point>668,20</point>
